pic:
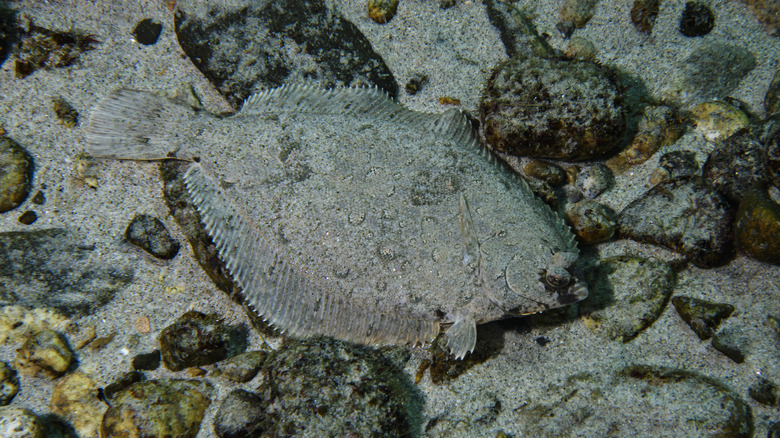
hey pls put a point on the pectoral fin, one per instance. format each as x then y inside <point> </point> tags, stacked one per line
<point>462,336</point>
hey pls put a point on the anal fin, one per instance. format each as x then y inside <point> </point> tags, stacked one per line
<point>462,337</point>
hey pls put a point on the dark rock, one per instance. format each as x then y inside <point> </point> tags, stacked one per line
<point>627,295</point>
<point>323,387</point>
<point>702,316</point>
<point>697,20</point>
<point>194,339</point>
<point>552,108</point>
<point>7,31</point>
<point>243,367</point>
<point>39,47</point>
<point>713,69</point>
<point>16,173</point>
<point>773,158</point>
<point>66,114</point>
<point>774,428</point>
<point>686,216</point>
<point>9,384</point>
<point>157,408</point>
<point>733,343</point>
<point>764,391</point>
<point>736,166</point>
<point>147,31</point>
<point>266,44</point>
<point>69,275</point>
<point>594,180</point>
<point>38,198</point>
<point>772,98</point>
<point>147,361</point>
<point>757,227</point>
<point>548,172</point>
<point>149,233</point>
<point>28,217</point>
<point>242,414</point>
<point>46,352</point>
<point>415,83</point>
<point>120,384</point>
<point>591,222</point>
<point>679,164</point>
<point>644,13</point>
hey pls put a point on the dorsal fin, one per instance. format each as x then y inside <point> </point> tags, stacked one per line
<point>281,295</point>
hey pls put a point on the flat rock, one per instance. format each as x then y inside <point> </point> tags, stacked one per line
<point>702,316</point>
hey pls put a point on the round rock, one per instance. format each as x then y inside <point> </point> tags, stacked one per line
<point>149,233</point>
<point>758,227</point>
<point>552,108</point>
<point>593,180</point>
<point>591,221</point>
<point>46,352</point>
<point>697,20</point>
<point>16,173</point>
<point>147,31</point>
<point>194,339</point>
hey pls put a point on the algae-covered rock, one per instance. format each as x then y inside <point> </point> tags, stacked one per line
<point>149,233</point>
<point>194,339</point>
<point>243,367</point>
<point>591,221</point>
<point>46,352</point>
<point>757,227</point>
<point>39,47</point>
<point>736,166</point>
<point>9,384</point>
<point>16,172</point>
<point>382,11</point>
<point>16,422</point>
<point>704,317</point>
<point>73,399</point>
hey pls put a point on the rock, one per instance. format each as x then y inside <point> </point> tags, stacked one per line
<point>757,227</point>
<point>18,422</point>
<point>157,408</point>
<point>382,11</point>
<point>9,384</point>
<point>767,12</point>
<point>28,217</point>
<point>249,46</point>
<point>679,164</point>
<point>16,173</point>
<point>702,316</point>
<point>46,352</point>
<point>517,30</point>
<point>552,108</point>
<point>242,414</point>
<point>415,83</point>
<point>764,391</point>
<point>659,126</point>
<point>736,166</point>
<point>69,275</point>
<point>147,361</point>
<point>242,367</point>
<point>774,428</point>
<point>548,172</point>
<point>637,401</point>
<point>591,222</point>
<point>17,324</point>
<point>121,383</point>
<point>39,47</point>
<point>84,166</point>
<point>73,399</point>
<point>594,180</point>
<point>66,114</point>
<point>732,342</point>
<point>323,387</point>
<point>644,13</point>
<point>147,31</point>
<point>773,159</point>
<point>194,339</point>
<point>582,49</point>
<point>686,216</point>
<point>627,295</point>
<point>772,98</point>
<point>714,69</point>
<point>575,14</point>
<point>697,20</point>
<point>717,120</point>
<point>149,233</point>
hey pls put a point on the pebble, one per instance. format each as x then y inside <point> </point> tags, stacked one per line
<point>702,316</point>
<point>582,49</point>
<point>415,83</point>
<point>679,164</point>
<point>243,367</point>
<point>548,172</point>
<point>686,216</point>
<point>628,294</point>
<point>764,391</point>
<point>517,30</point>
<point>46,352</point>
<point>157,408</point>
<point>9,383</point>
<point>382,11</point>
<point>17,323</point>
<point>736,165</point>
<point>594,180</point>
<point>73,399</point>
<point>28,217</point>
<point>757,227</point>
<point>644,13</point>
<point>659,126</point>
<point>194,339</point>
<point>733,342</point>
<point>147,361</point>
<point>147,31</point>
<point>84,166</point>
<point>121,383</point>
<point>149,233</point>
<point>18,422</point>
<point>65,112</point>
<point>591,221</point>
<point>552,108</point>
<point>16,174</point>
<point>717,120</point>
<point>697,19</point>
<point>39,47</point>
<point>242,414</point>
<point>575,14</point>
<point>714,69</point>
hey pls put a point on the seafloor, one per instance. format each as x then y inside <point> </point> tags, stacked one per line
<point>558,376</point>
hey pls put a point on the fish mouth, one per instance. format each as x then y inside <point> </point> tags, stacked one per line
<point>575,292</point>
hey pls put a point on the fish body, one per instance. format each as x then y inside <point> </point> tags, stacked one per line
<point>341,212</point>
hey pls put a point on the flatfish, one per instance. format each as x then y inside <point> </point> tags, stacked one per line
<point>341,212</point>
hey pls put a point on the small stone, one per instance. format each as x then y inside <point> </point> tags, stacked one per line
<point>241,414</point>
<point>28,217</point>
<point>20,423</point>
<point>9,384</point>
<point>147,31</point>
<point>415,83</point>
<point>687,216</point>
<point>84,166</point>
<point>594,180</point>
<point>149,233</point>
<point>45,352</point>
<point>143,325</point>
<point>772,98</point>
<point>147,361</point>
<point>644,13</point>
<point>448,100</point>
<point>18,324</point>
<point>628,294</point>
<point>16,173</point>
<point>382,11</point>
<point>548,172</point>
<point>702,316</point>
<point>591,222</point>
<point>67,115</point>
<point>757,227</point>
<point>736,166</point>
<point>717,120</point>
<point>659,126</point>
<point>39,47</point>
<point>545,192</point>
<point>575,14</point>
<point>194,339</point>
<point>157,408</point>
<point>39,198</point>
<point>581,48</point>
<point>446,4</point>
<point>679,164</point>
<point>243,367</point>
<point>100,343</point>
<point>697,20</point>
<point>764,391</point>
<point>73,399</point>
<point>733,343</point>
<point>121,383</point>
<point>715,69</point>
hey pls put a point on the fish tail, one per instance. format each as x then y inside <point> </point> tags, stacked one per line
<point>136,125</point>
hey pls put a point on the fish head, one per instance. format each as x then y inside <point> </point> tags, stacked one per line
<point>556,284</point>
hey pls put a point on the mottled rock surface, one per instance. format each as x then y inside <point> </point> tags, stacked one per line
<point>591,222</point>
<point>242,414</point>
<point>736,166</point>
<point>149,233</point>
<point>16,172</point>
<point>702,316</point>
<point>9,383</point>
<point>757,227</point>
<point>194,339</point>
<point>715,69</point>
<point>74,399</point>
<point>18,422</point>
<point>46,352</point>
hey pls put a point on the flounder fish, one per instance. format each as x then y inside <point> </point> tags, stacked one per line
<point>341,212</point>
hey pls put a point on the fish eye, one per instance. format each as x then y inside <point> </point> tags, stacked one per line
<point>557,278</point>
